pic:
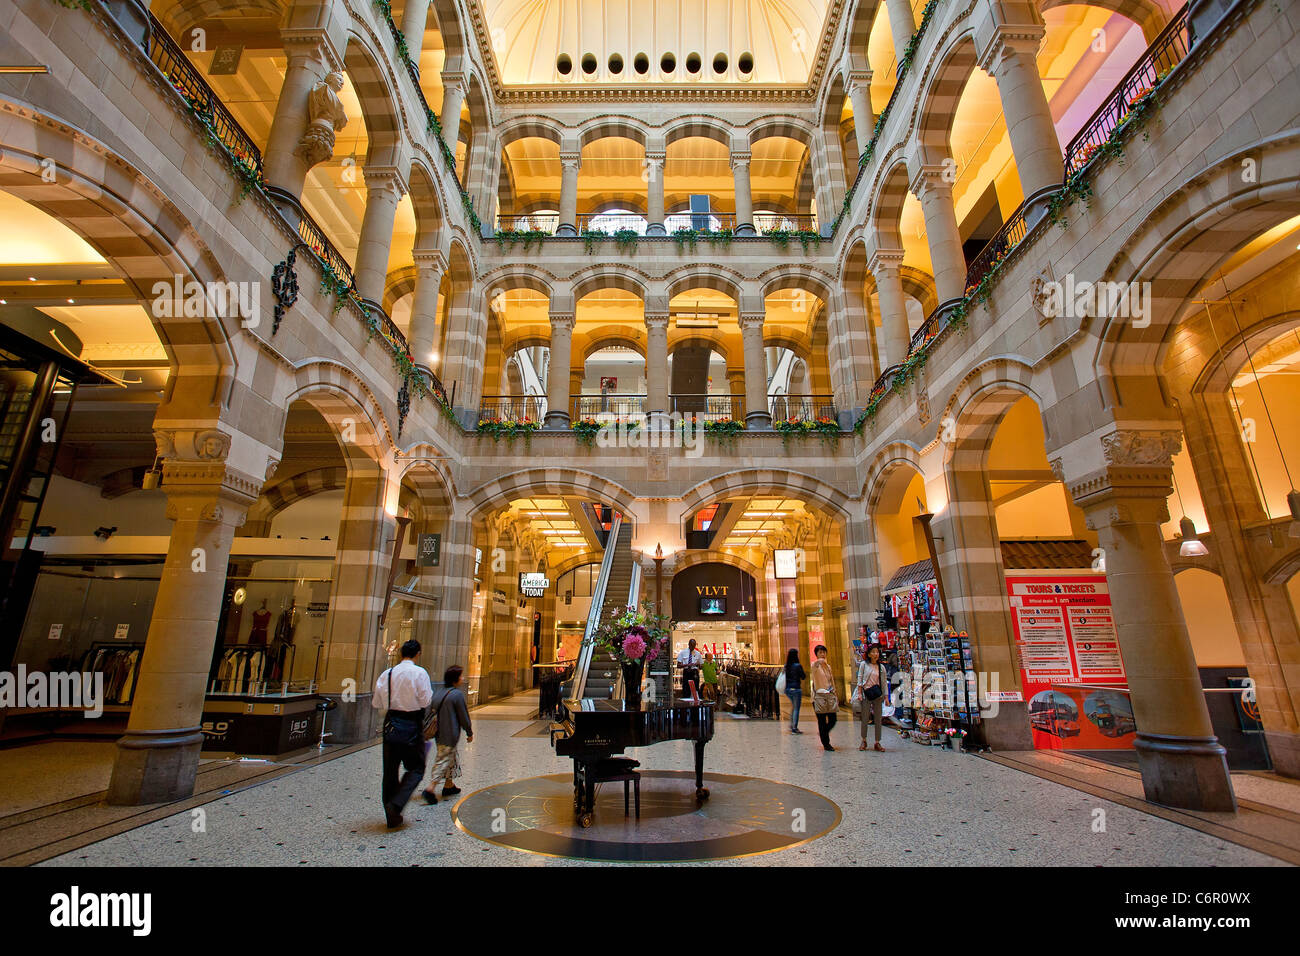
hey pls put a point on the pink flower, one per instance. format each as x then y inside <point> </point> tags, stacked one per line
<point>633,647</point>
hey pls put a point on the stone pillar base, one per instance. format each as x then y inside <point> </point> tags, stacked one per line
<point>156,766</point>
<point>1284,752</point>
<point>1190,773</point>
<point>1009,730</point>
<point>1036,205</point>
<point>746,229</point>
<point>351,723</point>
<point>556,421</point>
<point>566,229</point>
<point>656,229</point>
<point>758,422</point>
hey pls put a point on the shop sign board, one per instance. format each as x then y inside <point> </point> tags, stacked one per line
<point>428,551</point>
<point>56,632</point>
<point>787,564</point>
<point>533,584</point>
<point>122,631</point>
<point>1065,635</point>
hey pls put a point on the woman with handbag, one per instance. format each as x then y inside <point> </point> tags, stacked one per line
<point>871,693</point>
<point>826,704</point>
<point>790,683</point>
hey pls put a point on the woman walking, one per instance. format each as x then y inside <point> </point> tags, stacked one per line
<point>794,677</point>
<point>825,704</point>
<point>871,692</point>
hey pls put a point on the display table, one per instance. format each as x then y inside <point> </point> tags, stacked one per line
<point>250,725</point>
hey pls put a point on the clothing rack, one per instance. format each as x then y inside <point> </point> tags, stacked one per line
<point>250,668</point>
<point>751,685</point>
<point>119,662</point>
<point>549,684</point>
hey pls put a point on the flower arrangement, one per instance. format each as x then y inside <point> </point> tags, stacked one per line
<point>586,430</point>
<point>634,636</point>
<point>723,428</point>
<point>507,428</point>
<point>827,428</point>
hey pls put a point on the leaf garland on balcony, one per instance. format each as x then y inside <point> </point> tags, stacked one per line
<point>507,428</point>
<point>331,283</point>
<point>508,238</point>
<point>586,430</point>
<point>827,429</point>
<point>626,239</point>
<point>687,237</point>
<point>781,238</point>
<point>723,430</point>
<point>592,238</point>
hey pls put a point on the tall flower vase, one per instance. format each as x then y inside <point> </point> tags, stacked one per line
<point>632,683</point>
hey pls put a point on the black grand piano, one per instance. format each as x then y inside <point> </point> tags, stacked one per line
<point>592,730</point>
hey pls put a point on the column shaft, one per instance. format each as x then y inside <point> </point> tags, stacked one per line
<point>424,308</point>
<point>864,120</point>
<point>655,214</point>
<point>744,198</point>
<point>557,379</point>
<point>568,194</point>
<point>656,368</point>
<point>282,165</point>
<point>453,101</point>
<point>941,231</point>
<point>414,19</point>
<point>756,413</point>
<point>1037,151</point>
<point>384,189</point>
<point>893,309</point>
<point>901,25</point>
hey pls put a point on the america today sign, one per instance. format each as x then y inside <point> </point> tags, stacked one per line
<point>533,584</point>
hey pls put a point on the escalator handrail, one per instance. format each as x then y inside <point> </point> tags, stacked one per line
<point>588,647</point>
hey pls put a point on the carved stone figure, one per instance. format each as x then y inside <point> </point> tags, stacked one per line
<point>327,119</point>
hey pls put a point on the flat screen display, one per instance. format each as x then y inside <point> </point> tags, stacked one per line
<point>713,605</point>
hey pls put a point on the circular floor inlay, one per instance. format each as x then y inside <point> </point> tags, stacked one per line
<point>743,816</point>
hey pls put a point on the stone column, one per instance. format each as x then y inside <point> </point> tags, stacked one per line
<point>414,20</point>
<point>570,160</point>
<point>751,333</point>
<point>1010,56</point>
<point>453,101</point>
<point>207,499</point>
<point>884,265</point>
<point>654,203</point>
<point>557,380</point>
<point>311,56</point>
<point>429,270</point>
<point>931,184</point>
<point>385,187</point>
<point>736,389</point>
<point>656,366</point>
<point>864,120</point>
<point>744,198</point>
<point>901,26</point>
<point>1182,763</point>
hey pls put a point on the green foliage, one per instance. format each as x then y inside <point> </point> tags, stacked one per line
<point>507,428</point>
<point>626,239</point>
<point>827,429</point>
<point>507,238</point>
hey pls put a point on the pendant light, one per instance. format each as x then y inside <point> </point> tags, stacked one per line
<point>1192,546</point>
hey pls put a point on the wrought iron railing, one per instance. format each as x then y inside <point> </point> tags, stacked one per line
<point>610,223</point>
<point>801,408</point>
<point>620,406</point>
<point>700,221</point>
<point>512,408</point>
<point>1165,52</point>
<point>167,55</point>
<point>546,222</point>
<point>996,249</point>
<point>766,222</point>
<point>709,408</point>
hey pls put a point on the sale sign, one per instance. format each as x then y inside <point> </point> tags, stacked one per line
<point>1070,662</point>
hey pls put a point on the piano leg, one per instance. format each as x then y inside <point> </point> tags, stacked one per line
<point>701,791</point>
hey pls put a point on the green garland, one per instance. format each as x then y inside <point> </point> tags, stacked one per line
<point>781,238</point>
<point>626,240</point>
<point>507,238</point>
<point>586,430</point>
<point>331,283</point>
<point>828,430</point>
<point>591,238</point>
<point>686,237</point>
<point>498,428</point>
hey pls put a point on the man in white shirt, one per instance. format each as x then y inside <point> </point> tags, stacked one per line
<point>402,692</point>
<point>689,660</point>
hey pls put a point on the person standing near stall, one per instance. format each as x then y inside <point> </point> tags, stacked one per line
<point>689,660</point>
<point>871,693</point>
<point>825,703</point>
<point>709,672</point>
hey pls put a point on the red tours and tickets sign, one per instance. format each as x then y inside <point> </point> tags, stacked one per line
<point>1070,662</point>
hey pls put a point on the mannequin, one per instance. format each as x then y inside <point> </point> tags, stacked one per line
<point>261,623</point>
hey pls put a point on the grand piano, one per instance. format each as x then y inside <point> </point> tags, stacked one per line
<point>592,730</point>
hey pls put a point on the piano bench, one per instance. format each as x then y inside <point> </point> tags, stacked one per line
<point>616,769</point>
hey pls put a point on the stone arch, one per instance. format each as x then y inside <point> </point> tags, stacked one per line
<point>1217,374</point>
<point>698,276</point>
<point>285,492</point>
<point>345,402</point>
<point>919,284</point>
<point>1147,14</point>
<point>130,222</point>
<point>530,127</point>
<point>983,396</point>
<point>1181,242</point>
<point>706,127</point>
<point>380,110</point>
<point>432,484</point>
<point>789,127</point>
<point>605,127</point>
<point>943,86</point>
<point>861,18</point>
<point>756,481</point>
<point>608,277</point>
<point>799,277</point>
<point>547,481</point>
<point>513,277</point>
<point>450,27</point>
<point>427,201</point>
<point>887,204</point>
<point>712,339</point>
<point>888,462</point>
<point>688,559</point>
<point>606,336</point>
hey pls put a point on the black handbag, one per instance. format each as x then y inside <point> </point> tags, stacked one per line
<point>398,730</point>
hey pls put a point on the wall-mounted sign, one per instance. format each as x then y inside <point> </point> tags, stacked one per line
<point>225,60</point>
<point>122,631</point>
<point>787,564</point>
<point>56,632</point>
<point>533,583</point>
<point>428,551</point>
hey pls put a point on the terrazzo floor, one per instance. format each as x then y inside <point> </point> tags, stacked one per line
<point>911,805</point>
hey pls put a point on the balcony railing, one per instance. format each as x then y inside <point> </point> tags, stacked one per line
<point>512,408</point>
<point>1166,52</point>
<point>546,222</point>
<point>167,55</point>
<point>801,408</point>
<point>769,222</point>
<point>619,406</point>
<point>610,223</point>
<point>996,249</point>
<point>709,408</point>
<point>700,221</point>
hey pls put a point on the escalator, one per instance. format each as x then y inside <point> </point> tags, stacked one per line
<point>618,586</point>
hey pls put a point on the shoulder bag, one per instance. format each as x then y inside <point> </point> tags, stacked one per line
<point>402,731</point>
<point>431,718</point>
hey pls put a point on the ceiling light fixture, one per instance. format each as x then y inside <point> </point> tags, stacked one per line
<point>1192,547</point>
